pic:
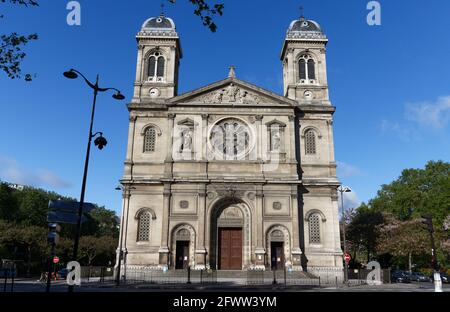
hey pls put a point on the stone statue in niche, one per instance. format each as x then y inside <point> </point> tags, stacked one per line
<point>186,140</point>
<point>276,141</point>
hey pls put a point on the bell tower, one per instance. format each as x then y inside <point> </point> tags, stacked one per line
<point>304,63</point>
<point>158,62</point>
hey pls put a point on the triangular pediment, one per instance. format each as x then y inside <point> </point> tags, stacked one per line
<point>232,91</point>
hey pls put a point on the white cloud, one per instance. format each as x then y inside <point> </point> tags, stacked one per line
<point>430,114</point>
<point>351,200</point>
<point>12,171</point>
<point>400,131</point>
<point>346,170</point>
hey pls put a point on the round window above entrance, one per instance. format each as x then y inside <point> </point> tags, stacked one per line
<point>230,139</point>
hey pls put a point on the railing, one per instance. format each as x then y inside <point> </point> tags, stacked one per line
<point>280,278</point>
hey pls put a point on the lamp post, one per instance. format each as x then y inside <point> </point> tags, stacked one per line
<point>122,225</point>
<point>100,142</point>
<point>343,190</point>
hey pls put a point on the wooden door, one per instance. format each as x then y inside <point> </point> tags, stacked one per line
<point>230,249</point>
<point>182,255</point>
<point>277,254</point>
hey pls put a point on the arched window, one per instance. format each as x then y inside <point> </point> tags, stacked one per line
<point>160,68</point>
<point>156,67</point>
<point>310,142</point>
<point>314,229</point>
<point>151,66</point>
<point>144,221</point>
<point>302,69</point>
<point>307,69</point>
<point>150,140</point>
<point>311,69</point>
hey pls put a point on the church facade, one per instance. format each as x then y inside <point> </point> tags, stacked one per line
<point>230,176</point>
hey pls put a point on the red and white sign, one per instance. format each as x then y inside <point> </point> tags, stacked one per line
<point>55,260</point>
<point>347,258</point>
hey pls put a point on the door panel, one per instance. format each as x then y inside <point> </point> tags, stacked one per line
<point>182,255</point>
<point>230,249</point>
<point>277,255</point>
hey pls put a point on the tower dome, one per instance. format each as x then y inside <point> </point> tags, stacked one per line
<point>305,29</point>
<point>159,26</point>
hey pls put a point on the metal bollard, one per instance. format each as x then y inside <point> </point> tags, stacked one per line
<point>189,275</point>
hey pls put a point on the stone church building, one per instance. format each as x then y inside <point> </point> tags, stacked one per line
<point>230,176</point>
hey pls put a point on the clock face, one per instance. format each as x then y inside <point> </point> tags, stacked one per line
<point>154,93</point>
<point>308,95</point>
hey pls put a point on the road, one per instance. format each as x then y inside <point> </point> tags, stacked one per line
<point>25,285</point>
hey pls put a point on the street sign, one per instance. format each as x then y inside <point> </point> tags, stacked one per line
<point>64,217</point>
<point>347,258</point>
<point>55,260</point>
<point>70,207</point>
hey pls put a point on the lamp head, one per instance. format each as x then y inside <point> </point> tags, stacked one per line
<point>100,142</point>
<point>70,74</point>
<point>119,96</point>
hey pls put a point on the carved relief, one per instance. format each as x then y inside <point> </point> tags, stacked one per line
<point>184,204</point>
<point>277,206</point>
<point>230,94</point>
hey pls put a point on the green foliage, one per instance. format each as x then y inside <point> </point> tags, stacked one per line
<point>400,238</point>
<point>417,192</point>
<point>23,230</point>
<point>8,205</point>
<point>92,248</point>
<point>363,230</point>
<point>11,53</point>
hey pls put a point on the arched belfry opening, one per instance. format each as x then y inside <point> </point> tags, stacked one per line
<point>230,231</point>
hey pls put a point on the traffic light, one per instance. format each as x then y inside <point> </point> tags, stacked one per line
<point>428,221</point>
<point>53,233</point>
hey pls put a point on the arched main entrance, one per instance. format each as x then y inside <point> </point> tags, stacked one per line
<point>230,235</point>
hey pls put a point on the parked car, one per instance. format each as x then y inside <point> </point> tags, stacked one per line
<point>63,273</point>
<point>419,277</point>
<point>400,277</point>
<point>444,278</point>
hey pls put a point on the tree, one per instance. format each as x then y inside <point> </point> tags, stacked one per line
<point>403,238</point>
<point>11,53</point>
<point>206,12</point>
<point>92,247</point>
<point>24,239</point>
<point>417,192</point>
<point>8,205</point>
<point>363,230</point>
<point>107,223</point>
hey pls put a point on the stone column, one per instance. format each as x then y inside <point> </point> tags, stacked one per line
<point>260,251</point>
<point>296,251</point>
<point>292,157</point>
<point>200,253</point>
<point>130,148</point>
<point>164,248</point>
<point>205,124</point>
<point>139,71</point>
<point>259,141</point>
<point>168,169</point>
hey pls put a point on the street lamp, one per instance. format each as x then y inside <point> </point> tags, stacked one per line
<point>122,224</point>
<point>100,142</point>
<point>343,190</point>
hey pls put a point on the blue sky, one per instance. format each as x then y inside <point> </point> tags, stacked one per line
<point>390,84</point>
